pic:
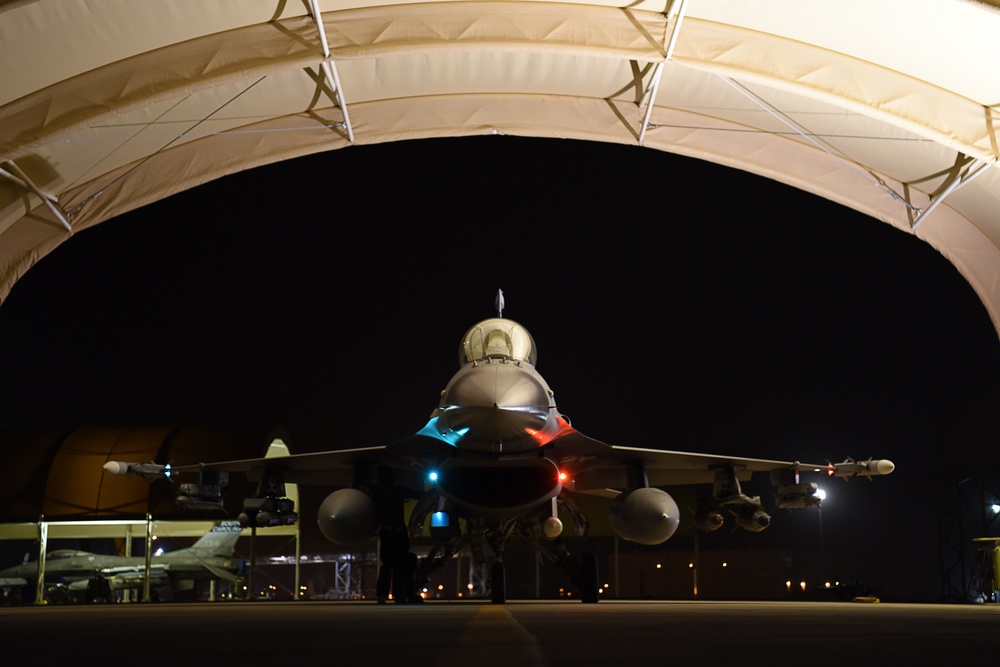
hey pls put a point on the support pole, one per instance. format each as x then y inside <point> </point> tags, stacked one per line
<point>996,572</point>
<point>146,588</point>
<point>650,96</point>
<point>43,545</point>
<point>50,201</point>
<point>976,169</point>
<point>298,559</point>
<point>253,566</point>
<point>128,592</point>
<point>330,69</point>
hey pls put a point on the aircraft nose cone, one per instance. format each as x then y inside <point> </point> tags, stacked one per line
<point>495,404</point>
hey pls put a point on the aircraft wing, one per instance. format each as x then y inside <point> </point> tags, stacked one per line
<point>334,467</point>
<point>669,468</point>
<point>329,468</point>
<point>596,465</point>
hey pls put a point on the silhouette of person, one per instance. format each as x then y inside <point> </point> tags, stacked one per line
<point>398,567</point>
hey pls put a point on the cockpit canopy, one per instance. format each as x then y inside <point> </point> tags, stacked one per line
<point>497,337</point>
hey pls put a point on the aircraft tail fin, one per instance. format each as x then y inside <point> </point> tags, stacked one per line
<point>220,541</point>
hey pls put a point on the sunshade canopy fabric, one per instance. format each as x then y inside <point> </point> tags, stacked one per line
<point>891,108</point>
<point>58,473</point>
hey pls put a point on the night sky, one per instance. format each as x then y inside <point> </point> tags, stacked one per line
<point>676,304</point>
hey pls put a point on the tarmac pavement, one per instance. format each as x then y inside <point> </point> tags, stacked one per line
<point>518,634</point>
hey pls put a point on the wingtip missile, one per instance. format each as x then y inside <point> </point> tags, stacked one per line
<point>116,467</point>
<point>852,468</point>
<point>146,470</point>
<point>885,466</point>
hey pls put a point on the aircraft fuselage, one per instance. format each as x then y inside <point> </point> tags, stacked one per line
<point>497,406</point>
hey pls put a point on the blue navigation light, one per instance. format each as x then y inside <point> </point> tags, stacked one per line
<point>432,476</point>
<point>167,471</point>
<point>440,520</point>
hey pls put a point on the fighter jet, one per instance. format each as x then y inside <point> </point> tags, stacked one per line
<point>498,455</point>
<point>92,575</point>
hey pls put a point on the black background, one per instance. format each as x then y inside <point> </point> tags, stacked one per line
<point>676,304</point>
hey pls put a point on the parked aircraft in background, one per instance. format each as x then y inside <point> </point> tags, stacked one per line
<point>81,574</point>
<point>498,454</point>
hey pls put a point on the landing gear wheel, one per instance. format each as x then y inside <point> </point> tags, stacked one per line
<point>499,584</point>
<point>589,586</point>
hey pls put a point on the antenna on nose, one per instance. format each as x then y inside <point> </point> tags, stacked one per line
<point>499,303</point>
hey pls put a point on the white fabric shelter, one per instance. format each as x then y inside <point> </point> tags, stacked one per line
<point>891,107</point>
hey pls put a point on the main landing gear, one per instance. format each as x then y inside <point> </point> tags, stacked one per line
<point>583,573</point>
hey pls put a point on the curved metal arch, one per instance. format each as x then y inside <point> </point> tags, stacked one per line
<point>244,86</point>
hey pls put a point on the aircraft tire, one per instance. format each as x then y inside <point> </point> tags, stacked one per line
<point>589,579</point>
<point>499,584</point>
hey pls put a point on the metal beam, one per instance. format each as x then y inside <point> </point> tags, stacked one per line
<point>823,146</point>
<point>49,200</point>
<point>330,69</point>
<point>147,591</point>
<point>650,97</point>
<point>43,547</point>
<point>651,94</point>
<point>977,168</point>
